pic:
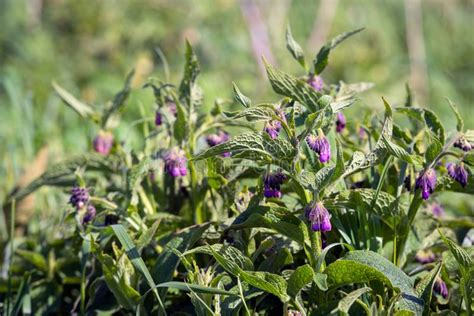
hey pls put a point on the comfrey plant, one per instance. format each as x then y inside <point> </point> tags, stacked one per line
<point>284,208</point>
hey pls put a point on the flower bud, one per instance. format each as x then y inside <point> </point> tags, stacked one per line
<point>320,145</point>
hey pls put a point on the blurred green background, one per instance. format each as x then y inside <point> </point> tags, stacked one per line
<point>88,47</point>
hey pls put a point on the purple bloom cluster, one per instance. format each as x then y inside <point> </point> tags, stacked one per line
<point>316,82</point>
<point>319,217</point>
<point>426,181</point>
<point>458,173</point>
<point>216,139</point>
<point>463,144</point>
<point>320,145</point>
<point>90,214</point>
<point>175,162</point>
<point>272,183</point>
<point>437,210</point>
<point>103,142</point>
<point>273,128</point>
<point>79,197</point>
<point>158,118</point>
<point>425,257</point>
<point>441,288</point>
<point>340,122</point>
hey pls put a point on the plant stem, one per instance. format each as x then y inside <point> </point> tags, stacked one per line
<point>10,263</point>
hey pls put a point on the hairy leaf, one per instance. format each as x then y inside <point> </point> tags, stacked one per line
<point>346,302</point>
<point>299,278</point>
<point>294,48</point>
<point>240,97</point>
<point>84,110</point>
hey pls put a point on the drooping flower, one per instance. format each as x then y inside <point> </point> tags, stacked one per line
<point>320,145</point>
<point>340,122</point>
<point>319,217</point>
<point>273,128</point>
<point>216,139</point>
<point>90,214</point>
<point>426,181</point>
<point>103,142</point>
<point>458,173</point>
<point>158,118</point>
<point>316,82</point>
<point>463,144</point>
<point>79,197</point>
<point>441,288</point>
<point>175,162</point>
<point>425,256</point>
<point>437,210</point>
<point>272,183</point>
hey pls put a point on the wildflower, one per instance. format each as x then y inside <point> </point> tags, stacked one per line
<point>441,288</point>
<point>175,163</point>
<point>172,107</point>
<point>79,197</point>
<point>458,173</point>
<point>320,145</point>
<point>426,181</point>
<point>103,142</point>
<point>158,118</point>
<point>437,210</point>
<point>293,313</point>
<point>272,183</point>
<point>216,139</point>
<point>362,133</point>
<point>90,214</point>
<point>319,217</point>
<point>316,82</point>
<point>424,257</point>
<point>273,128</point>
<point>463,144</point>
<point>340,122</point>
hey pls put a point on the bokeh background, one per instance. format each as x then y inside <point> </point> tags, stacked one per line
<point>88,47</point>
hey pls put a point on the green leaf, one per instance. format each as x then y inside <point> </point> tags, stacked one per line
<point>256,145</point>
<point>228,252</point>
<point>34,258</point>
<point>294,48</point>
<point>134,256</point>
<point>188,287</point>
<point>84,110</point>
<point>119,100</point>
<point>299,278</point>
<point>240,97</point>
<point>261,112</point>
<point>430,119</point>
<point>147,236</point>
<point>289,86</point>
<point>328,175</point>
<point>191,71</point>
<point>180,127</point>
<point>23,295</point>
<point>424,288</point>
<point>462,256</point>
<point>268,282</point>
<point>460,121</point>
<point>346,302</point>
<point>138,172</point>
<point>321,60</point>
<point>469,159</point>
<point>433,150</point>
<point>401,153</point>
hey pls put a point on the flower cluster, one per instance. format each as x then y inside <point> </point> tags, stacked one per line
<point>216,139</point>
<point>103,142</point>
<point>458,173</point>
<point>441,288</point>
<point>462,144</point>
<point>426,181</point>
<point>175,162</point>
<point>272,183</point>
<point>320,145</point>
<point>319,217</point>
<point>273,128</point>
<point>316,82</point>
<point>79,199</point>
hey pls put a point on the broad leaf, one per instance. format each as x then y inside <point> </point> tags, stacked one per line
<point>240,97</point>
<point>294,48</point>
<point>424,288</point>
<point>84,110</point>
<point>346,302</point>
<point>299,278</point>
<point>191,71</point>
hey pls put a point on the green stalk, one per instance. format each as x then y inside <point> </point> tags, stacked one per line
<point>10,264</point>
<point>414,206</point>
<point>316,247</point>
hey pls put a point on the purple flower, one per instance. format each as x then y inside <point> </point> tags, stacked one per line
<point>79,197</point>
<point>458,173</point>
<point>316,82</point>
<point>362,133</point>
<point>319,217</point>
<point>158,118</point>
<point>340,122</point>
<point>272,183</point>
<point>273,128</point>
<point>175,162</point>
<point>425,257</point>
<point>320,145</point>
<point>172,107</point>
<point>216,139</point>
<point>463,144</point>
<point>440,287</point>
<point>90,214</point>
<point>103,142</point>
<point>437,210</point>
<point>426,182</point>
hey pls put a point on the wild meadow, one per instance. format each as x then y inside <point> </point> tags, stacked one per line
<point>298,201</point>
